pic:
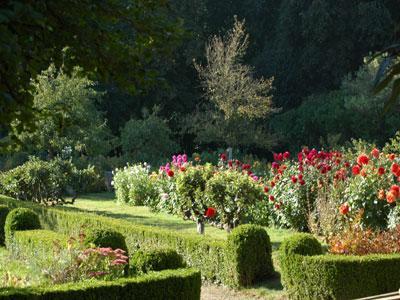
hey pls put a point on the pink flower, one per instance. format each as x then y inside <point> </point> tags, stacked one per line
<point>118,262</point>
<point>286,155</point>
<point>119,251</point>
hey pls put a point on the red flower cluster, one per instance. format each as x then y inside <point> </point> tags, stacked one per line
<point>363,159</point>
<point>344,208</point>
<point>210,212</point>
<point>393,194</point>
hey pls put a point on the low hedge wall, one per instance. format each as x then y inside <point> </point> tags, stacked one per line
<point>307,274</point>
<point>169,284</point>
<point>26,243</point>
<point>215,258</point>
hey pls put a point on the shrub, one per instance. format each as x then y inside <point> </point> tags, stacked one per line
<point>190,187</point>
<point>105,237</point>
<point>308,275</point>
<point>20,219</point>
<point>4,210</point>
<point>356,240</point>
<point>249,248</point>
<point>38,181</point>
<point>156,260</point>
<point>133,185</point>
<point>89,180</point>
<point>232,193</point>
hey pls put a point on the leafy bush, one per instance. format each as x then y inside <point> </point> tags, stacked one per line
<point>4,210</point>
<point>163,285</point>
<point>147,140</point>
<point>308,275</point>
<point>38,181</point>
<point>249,247</point>
<point>356,240</point>
<point>190,187</point>
<point>232,193</point>
<point>156,260</point>
<point>105,237</point>
<point>20,219</point>
<point>133,186</point>
<point>89,180</point>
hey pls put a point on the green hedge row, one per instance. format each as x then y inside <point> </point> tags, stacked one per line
<point>169,284</point>
<point>308,274</point>
<point>25,243</point>
<point>244,259</point>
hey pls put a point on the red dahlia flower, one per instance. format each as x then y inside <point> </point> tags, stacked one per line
<point>286,155</point>
<point>362,159</point>
<point>375,153</point>
<point>391,197</point>
<point>170,173</point>
<point>344,208</point>
<point>266,189</point>
<point>381,170</point>
<point>294,179</point>
<point>210,212</point>
<point>271,198</point>
<point>356,170</point>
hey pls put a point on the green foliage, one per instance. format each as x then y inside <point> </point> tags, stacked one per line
<point>105,237</point>
<point>164,285</point>
<point>202,252</point>
<point>4,210</point>
<point>20,219</point>
<point>147,140</point>
<point>231,192</point>
<point>302,244</point>
<point>308,275</point>
<point>333,118</point>
<point>249,247</point>
<point>38,181</point>
<point>114,42</point>
<point>66,118</point>
<point>190,187</point>
<point>156,260</point>
<point>133,185</point>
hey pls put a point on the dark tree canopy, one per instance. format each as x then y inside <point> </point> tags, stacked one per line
<point>114,41</point>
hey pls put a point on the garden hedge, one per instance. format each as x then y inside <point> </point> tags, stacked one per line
<point>156,260</point>
<point>307,274</point>
<point>27,242</point>
<point>215,259</point>
<point>164,285</point>
<point>20,219</point>
<point>4,210</point>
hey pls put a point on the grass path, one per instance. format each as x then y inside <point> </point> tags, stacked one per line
<point>104,204</point>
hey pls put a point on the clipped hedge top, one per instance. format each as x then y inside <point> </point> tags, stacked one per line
<point>93,284</point>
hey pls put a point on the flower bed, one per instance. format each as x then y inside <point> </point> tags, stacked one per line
<point>215,258</point>
<point>309,274</point>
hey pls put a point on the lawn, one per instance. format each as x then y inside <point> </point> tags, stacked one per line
<point>104,204</point>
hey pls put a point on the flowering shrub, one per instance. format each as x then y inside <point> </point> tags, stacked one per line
<point>75,262</point>
<point>132,185</point>
<point>232,193</point>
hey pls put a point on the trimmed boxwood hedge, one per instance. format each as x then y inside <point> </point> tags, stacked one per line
<point>215,258</point>
<point>307,274</point>
<point>20,219</point>
<point>25,243</point>
<point>156,260</point>
<point>182,284</point>
<point>105,237</point>
<point>3,214</point>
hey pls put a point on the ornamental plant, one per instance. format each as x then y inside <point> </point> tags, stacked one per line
<point>296,189</point>
<point>232,193</point>
<point>372,188</point>
<point>132,185</point>
<point>75,262</point>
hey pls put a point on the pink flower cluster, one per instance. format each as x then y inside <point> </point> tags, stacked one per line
<point>178,162</point>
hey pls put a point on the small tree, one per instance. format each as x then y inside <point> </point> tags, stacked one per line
<point>228,83</point>
<point>238,100</point>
